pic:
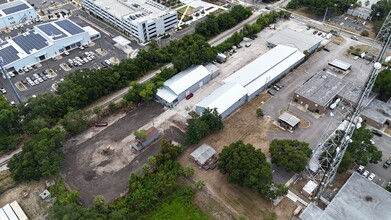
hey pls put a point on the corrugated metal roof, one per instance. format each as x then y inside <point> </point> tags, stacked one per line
<point>187,78</point>
<point>265,68</point>
<point>203,153</point>
<point>289,37</point>
<point>261,65</point>
<point>166,94</point>
<point>223,97</point>
<point>340,64</point>
<point>289,119</point>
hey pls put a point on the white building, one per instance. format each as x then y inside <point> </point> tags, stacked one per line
<point>182,84</point>
<point>256,76</point>
<point>41,43</point>
<point>143,19</point>
<point>225,99</point>
<point>291,38</point>
<point>15,12</point>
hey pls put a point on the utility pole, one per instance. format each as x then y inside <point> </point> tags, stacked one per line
<point>6,76</point>
<point>325,14</point>
<point>332,146</point>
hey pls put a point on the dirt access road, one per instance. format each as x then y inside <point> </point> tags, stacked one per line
<point>102,164</point>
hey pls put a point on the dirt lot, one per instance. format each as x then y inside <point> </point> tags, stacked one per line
<point>33,206</point>
<point>242,125</point>
<point>105,159</point>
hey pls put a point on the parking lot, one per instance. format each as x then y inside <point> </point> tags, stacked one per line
<point>103,49</point>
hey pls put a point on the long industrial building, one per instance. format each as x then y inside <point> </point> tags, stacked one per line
<point>41,43</point>
<point>263,71</point>
<point>301,41</point>
<point>143,19</point>
<point>251,80</point>
<point>15,12</point>
<point>182,84</point>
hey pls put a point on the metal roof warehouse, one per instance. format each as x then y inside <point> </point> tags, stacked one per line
<point>41,43</point>
<point>301,41</point>
<point>257,75</point>
<point>202,154</point>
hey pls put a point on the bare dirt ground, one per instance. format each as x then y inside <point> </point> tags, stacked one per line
<point>242,125</point>
<point>388,131</point>
<point>32,205</point>
<point>99,163</point>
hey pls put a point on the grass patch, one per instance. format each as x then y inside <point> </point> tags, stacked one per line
<point>179,207</point>
<point>183,9</point>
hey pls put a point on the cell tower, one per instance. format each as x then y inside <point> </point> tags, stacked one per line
<point>332,146</point>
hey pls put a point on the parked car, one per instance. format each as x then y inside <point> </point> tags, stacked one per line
<point>360,169</point>
<point>3,90</point>
<point>279,85</point>
<point>272,92</point>
<point>315,32</point>
<point>377,133</point>
<point>248,45</point>
<point>66,53</point>
<point>365,174</point>
<point>387,163</point>
<point>371,176</point>
<point>325,49</point>
<point>101,124</point>
<point>276,88</point>
<point>189,96</point>
<point>320,33</point>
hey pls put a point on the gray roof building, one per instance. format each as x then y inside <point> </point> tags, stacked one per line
<point>358,199</point>
<point>339,64</point>
<point>301,41</point>
<point>378,111</point>
<point>202,154</point>
<point>321,89</point>
<point>351,94</point>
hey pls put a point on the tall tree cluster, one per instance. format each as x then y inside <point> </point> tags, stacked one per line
<point>248,167</point>
<point>200,126</point>
<point>290,154</point>
<point>320,6</point>
<point>382,85</point>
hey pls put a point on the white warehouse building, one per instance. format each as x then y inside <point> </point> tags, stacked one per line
<point>143,19</point>
<point>15,12</point>
<point>225,99</point>
<point>182,84</point>
<point>41,43</point>
<point>256,76</point>
<point>251,80</point>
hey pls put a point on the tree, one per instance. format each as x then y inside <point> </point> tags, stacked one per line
<point>141,134</point>
<point>41,156</point>
<point>199,184</point>
<point>388,188</point>
<point>196,130</point>
<point>362,150</point>
<point>259,112</point>
<point>290,154</point>
<point>383,85</point>
<point>248,167</point>
<point>76,121</point>
<point>365,33</point>
<point>213,119</point>
<point>188,171</point>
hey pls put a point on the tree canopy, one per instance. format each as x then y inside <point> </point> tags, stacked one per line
<point>290,154</point>
<point>248,167</point>
<point>200,126</point>
<point>319,6</point>
<point>8,126</point>
<point>383,85</point>
<point>41,156</point>
<point>361,151</point>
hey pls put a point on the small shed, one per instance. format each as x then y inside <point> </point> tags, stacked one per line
<point>288,121</point>
<point>339,66</point>
<point>309,188</point>
<point>152,135</point>
<point>203,154</point>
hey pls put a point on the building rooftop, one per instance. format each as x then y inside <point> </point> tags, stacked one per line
<point>265,68</point>
<point>37,39</point>
<point>291,120</point>
<point>378,111</point>
<point>132,9</point>
<point>351,94</point>
<point>340,64</point>
<point>321,88</point>
<point>13,7</point>
<point>289,37</point>
<point>223,97</point>
<point>187,78</point>
<point>358,199</point>
<point>203,153</point>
